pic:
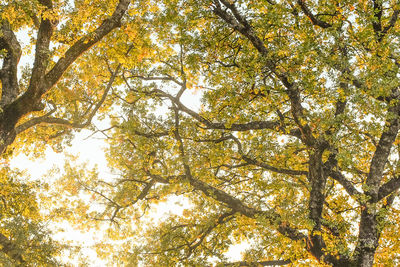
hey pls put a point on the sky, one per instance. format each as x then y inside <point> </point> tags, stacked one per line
<point>90,149</point>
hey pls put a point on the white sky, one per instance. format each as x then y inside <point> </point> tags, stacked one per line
<point>91,150</point>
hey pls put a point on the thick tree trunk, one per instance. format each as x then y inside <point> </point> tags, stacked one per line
<point>318,181</point>
<point>368,238</point>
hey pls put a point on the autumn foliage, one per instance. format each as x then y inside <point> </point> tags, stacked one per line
<point>273,124</point>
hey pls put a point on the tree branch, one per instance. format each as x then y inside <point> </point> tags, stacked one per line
<point>8,73</point>
<point>377,22</point>
<point>40,82</point>
<point>382,151</point>
<point>240,24</point>
<point>377,18</point>
<point>259,263</point>
<point>392,22</point>
<point>232,202</point>
<point>11,250</point>
<point>42,56</point>
<point>341,179</point>
<point>84,44</point>
<point>309,14</point>
<point>46,119</point>
<point>253,125</point>
<point>389,187</point>
<point>223,218</point>
<point>368,237</point>
<point>262,164</point>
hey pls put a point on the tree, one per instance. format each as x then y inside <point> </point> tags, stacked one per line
<point>31,241</point>
<point>294,148</point>
<point>55,90</point>
<point>18,101</point>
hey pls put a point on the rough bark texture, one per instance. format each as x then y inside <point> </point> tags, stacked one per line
<point>8,73</point>
<point>369,232</point>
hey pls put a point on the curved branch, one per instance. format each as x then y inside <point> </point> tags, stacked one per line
<point>253,125</point>
<point>264,165</point>
<point>233,203</point>
<point>388,188</point>
<point>222,219</point>
<point>310,15</point>
<point>40,82</point>
<point>42,56</point>
<point>382,151</point>
<point>339,177</point>
<point>392,22</point>
<point>240,24</point>
<point>46,119</point>
<point>377,18</point>
<point>84,44</point>
<point>8,73</point>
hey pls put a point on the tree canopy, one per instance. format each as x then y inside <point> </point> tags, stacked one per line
<point>55,90</point>
<point>276,123</point>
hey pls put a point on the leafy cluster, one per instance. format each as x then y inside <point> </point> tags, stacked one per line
<point>274,122</point>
